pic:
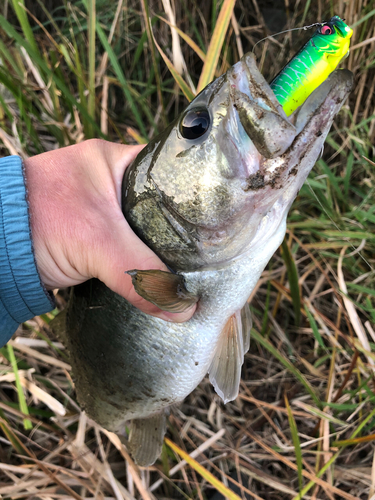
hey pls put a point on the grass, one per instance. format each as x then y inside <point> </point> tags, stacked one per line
<point>303,424</point>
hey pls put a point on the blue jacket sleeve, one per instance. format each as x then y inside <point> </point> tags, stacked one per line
<point>22,295</point>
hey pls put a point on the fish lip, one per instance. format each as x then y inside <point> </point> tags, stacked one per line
<point>238,78</point>
<point>315,122</point>
<point>324,104</point>
<point>335,89</point>
<point>311,135</point>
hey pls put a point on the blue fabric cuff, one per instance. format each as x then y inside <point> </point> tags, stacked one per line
<point>22,295</point>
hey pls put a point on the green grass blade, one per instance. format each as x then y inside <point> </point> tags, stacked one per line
<point>319,474</point>
<point>355,235</point>
<point>187,39</point>
<point>121,78</point>
<point>216,44</point>
<point>320,414</point>
<point>21,364</point>
<point>78,70</point>
<point>350,442</point>
<point>193,24</point>
<point>138,53</point>
<point>178,78</point>
<point>314,328</point>
<point>25,104</point>
<point>151,40</point>
<point>296,443</point>
<point>364,18</point>
<point>293,281</point>
<point>348,173</point>
<point>4,427</point>
<point>306,10</point>
<point>358,430</point>
<point>21,396</point>
<point>7,55</point>
<point>19,9</point>
<point>91,58</point>
<point>343,406</point>
<point>37,59</point>
<point>288,365</point>
<point>332,178</point>
<point>4,109</point>
<point>362,289</point>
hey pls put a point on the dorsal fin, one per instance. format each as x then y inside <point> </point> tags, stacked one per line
<point>234,342</point>
<point>146,438</point>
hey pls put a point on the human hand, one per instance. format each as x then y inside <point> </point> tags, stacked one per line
<point>78,228</point>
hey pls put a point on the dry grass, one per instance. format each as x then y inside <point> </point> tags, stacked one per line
<point>305,418</point>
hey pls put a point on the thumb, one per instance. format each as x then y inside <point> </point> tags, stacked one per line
<point>121,251</point>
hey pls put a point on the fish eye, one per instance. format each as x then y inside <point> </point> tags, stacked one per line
<point>195,123</point>
<point>326,30</point>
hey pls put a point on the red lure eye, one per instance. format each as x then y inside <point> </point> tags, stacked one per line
<point>326,30</point>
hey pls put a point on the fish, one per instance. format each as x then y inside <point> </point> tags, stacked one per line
<point>210,196</point>
<point>312,64</point>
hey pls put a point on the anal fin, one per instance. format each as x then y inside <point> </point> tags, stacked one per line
<point>234,342</point>
<point>146,438</point>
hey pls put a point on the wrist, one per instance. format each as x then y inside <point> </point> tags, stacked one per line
<point>22,294</point>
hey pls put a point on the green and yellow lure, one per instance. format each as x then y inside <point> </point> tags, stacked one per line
<point>312,64</point>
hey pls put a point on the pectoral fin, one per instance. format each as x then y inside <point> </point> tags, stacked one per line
<point>165,290</point>
<point>146,438</point>
<point>234,342</point>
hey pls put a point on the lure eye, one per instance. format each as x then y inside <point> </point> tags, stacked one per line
<point>326,30</point>
<point>195,123</point>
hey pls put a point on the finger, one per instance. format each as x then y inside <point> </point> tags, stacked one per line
<point>119,157</point>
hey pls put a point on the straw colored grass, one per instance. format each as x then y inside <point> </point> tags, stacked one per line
<point>303,425</point>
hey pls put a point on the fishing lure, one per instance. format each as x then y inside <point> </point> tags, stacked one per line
<point>312,64</point>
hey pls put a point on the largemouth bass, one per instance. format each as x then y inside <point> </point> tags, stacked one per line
<point>210,196</point>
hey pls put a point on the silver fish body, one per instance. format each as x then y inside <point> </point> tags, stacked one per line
<point>213,206</point>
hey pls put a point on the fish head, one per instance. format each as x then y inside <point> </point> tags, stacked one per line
<point>221,178</point>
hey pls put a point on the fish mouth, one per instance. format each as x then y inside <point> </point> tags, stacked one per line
<point>313,121</point>
<point>287,147</point>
